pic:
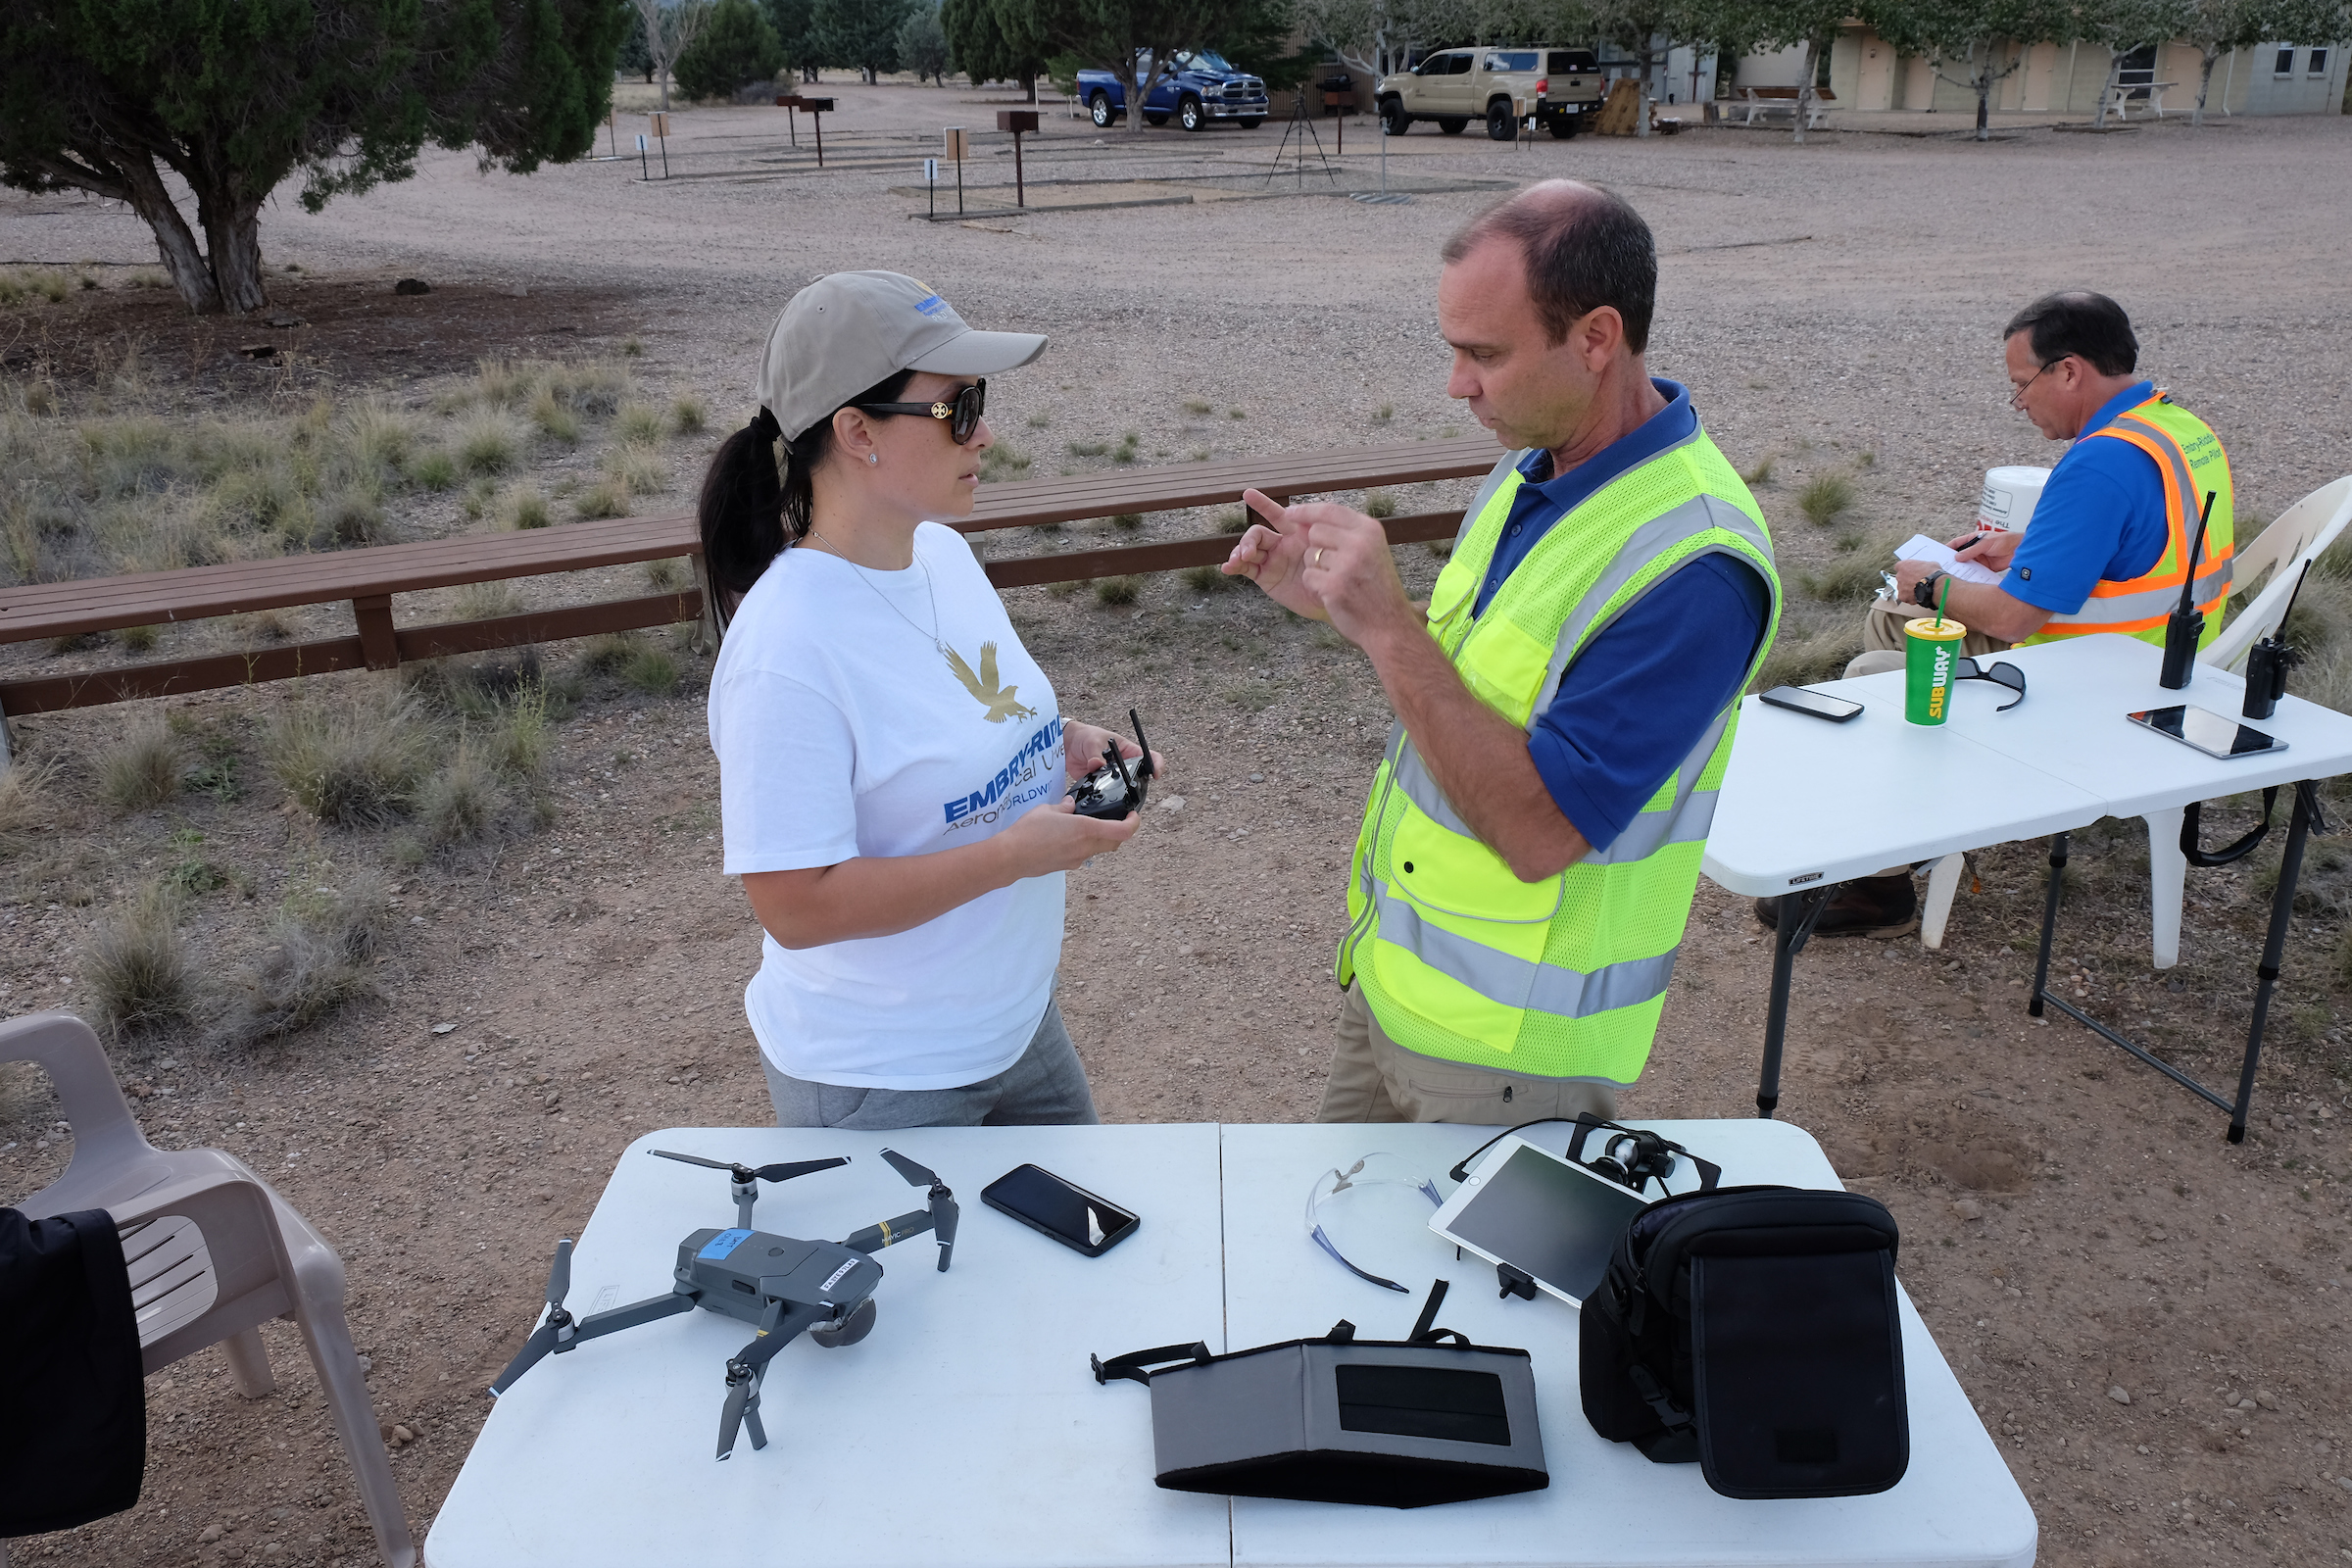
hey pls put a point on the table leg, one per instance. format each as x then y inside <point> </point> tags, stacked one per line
<point>2049,924</point>
<point>1798,912</point>
<point>2274,947</point>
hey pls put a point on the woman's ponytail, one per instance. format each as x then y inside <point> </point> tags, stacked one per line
<point>755,506</point>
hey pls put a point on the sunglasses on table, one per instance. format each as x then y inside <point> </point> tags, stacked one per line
<point>962,414</point>
<point>2003,673</point>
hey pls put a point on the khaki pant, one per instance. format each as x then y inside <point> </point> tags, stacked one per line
<point>1374,1079</point>
<point>1882,638</point>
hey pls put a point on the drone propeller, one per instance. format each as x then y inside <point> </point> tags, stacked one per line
<point>744,1370</point>
<point>744,1175</point>
<point>944,1211</point>
<point>555,1333</point>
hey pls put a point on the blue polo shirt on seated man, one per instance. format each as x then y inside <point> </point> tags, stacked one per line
<point>1627,711</point>
<point>2100,518</point>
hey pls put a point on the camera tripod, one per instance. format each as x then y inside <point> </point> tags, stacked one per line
<point>1304,129</point>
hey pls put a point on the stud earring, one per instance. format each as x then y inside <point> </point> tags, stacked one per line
<point>874,459</point>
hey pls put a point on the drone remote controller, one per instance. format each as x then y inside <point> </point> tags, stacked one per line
<point>1116,790</point>
<point>780,1284</point>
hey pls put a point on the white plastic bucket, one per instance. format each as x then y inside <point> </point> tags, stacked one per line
<point>2009,499</point>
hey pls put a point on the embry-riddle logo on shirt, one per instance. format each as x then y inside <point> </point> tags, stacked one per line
<point>1000,700</point>
<point>1014,784</point>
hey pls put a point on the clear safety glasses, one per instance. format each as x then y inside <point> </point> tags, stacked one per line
<point>1333,1186</point>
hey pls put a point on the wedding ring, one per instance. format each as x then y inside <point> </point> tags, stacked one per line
<point>1318,554</point>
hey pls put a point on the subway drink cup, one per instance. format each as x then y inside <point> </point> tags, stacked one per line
<point>1931,648</point>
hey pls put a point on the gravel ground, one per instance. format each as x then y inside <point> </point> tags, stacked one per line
<point>2073,1227</point>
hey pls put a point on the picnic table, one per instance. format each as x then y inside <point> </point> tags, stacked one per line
<point>2150,93</point>
<point>1779,102</point>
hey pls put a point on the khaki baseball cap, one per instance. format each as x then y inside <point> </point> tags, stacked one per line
<point>849,331</point>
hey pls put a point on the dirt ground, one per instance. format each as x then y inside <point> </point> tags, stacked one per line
<point>2149,1319</point>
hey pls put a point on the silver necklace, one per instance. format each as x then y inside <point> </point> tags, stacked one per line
<point>928,588</point>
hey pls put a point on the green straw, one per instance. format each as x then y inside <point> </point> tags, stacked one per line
<point>1942,590</point>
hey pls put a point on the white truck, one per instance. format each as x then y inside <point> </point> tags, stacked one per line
<point>1500,87</point>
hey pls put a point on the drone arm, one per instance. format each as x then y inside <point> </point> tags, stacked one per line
<point>889,1232</point>
<point>650,1311</point>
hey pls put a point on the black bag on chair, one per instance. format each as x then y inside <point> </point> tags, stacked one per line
<point>1757,1331</point>
<point>72,1387</point>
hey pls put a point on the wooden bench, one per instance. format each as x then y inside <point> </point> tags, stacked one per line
<point>369,578</point>
<point>1779,102</point>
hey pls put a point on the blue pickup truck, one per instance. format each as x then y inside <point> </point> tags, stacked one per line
<point>1198,86</point>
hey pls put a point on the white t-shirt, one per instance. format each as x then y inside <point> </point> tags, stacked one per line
<point>840,732</point>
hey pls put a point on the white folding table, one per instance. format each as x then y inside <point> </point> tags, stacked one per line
<point>966,1428</point>
<point>1808,804</point>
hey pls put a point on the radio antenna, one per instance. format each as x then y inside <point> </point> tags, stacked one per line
<point>2189,584</point>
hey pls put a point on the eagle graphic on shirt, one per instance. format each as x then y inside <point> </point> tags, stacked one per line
<point>1000,700</point>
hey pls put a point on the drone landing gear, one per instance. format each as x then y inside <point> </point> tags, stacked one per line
<point>777,1329</point>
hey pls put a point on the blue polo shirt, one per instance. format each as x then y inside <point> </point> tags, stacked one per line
<point>2100,518</point>
<point>1644,688</point>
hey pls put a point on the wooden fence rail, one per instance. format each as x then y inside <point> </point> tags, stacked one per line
<point>368,578</point>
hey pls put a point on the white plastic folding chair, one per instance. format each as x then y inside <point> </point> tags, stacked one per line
<point>2298,536</point>
<point>214,1254</point>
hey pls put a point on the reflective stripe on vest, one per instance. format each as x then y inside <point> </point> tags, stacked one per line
<point>2141,605</point>
<point>1564,977</point>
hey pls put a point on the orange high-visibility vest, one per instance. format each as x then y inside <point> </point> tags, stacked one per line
<point>2190,457</point>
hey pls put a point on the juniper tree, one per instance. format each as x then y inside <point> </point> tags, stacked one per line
<point>234,97</point>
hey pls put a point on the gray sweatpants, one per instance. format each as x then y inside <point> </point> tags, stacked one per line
<point>1045,1087</point>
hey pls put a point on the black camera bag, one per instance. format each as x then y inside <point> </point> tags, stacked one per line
<point>1756,1330</point>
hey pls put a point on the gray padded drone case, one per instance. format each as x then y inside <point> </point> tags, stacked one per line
<point>1402,1424</point>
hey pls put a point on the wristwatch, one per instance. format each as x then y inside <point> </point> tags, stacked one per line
<point>1923,592</point>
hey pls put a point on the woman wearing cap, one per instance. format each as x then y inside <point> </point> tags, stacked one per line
<point>891,760</point>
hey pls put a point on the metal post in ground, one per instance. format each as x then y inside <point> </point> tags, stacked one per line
<point>956,139</point>
<point>931,182</point>
<point>1017,120</point>
<point>644,170</point>
<point>662,135</point>
<point>817,108</point>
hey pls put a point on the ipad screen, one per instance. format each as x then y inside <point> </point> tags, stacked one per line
<point>1546,1216</point>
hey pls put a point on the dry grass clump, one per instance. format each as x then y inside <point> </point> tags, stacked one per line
<point>487,441</point>
<point>21,285</point>
<point>688,415</point>
<point>554,417</point>
<point>355,761</point>
<point>590,387</point>
<point>640,424</point>
<point>523,506</point>
<point>1379,503</point>
<point>486,601</point>
<point>664,576</point>
<point>315,963</point>
<point>607,498</point>
<point>605,655</point>
<point>1825,499</point>
<point>143,767</point>
<point>24,802</point>
<point>1118,589</point>
<point>1207,579</point>
<point>651,671</point>
<point>463,800</point>
<point>638,471</point>
<point>136,966</point>
<point>1003,461</point>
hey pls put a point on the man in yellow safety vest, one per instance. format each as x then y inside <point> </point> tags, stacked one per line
<point>1565,706</point>
<point>2107,549</point>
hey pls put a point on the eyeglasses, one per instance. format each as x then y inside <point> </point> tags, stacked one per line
<point>2017,399</point>
<point>1373,1170</point>
<point>2003,673</point>
<point>962,414</point>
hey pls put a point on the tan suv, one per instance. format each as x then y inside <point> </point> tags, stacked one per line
<point>1500,87</point>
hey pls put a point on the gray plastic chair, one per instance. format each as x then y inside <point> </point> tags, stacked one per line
<point>214,1254</point>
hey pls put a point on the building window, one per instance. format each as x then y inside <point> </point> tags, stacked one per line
<point>2318,62</point>
<point>2285,66</point>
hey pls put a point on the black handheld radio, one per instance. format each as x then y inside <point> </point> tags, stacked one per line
<point>2187,623</point>
<point>2268,661</point>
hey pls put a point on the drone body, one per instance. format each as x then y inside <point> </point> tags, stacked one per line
<point>737,1273</point>
<point>780,1284</point>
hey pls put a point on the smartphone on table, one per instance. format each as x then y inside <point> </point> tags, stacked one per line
<point>1820,705</point>
<point>1054,1206</point>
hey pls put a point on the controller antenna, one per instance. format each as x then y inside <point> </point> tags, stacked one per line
<point>1143,768</point>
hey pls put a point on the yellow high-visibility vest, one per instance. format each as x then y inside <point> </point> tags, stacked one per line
<point>2190,457</point>
<point>1564,977</point>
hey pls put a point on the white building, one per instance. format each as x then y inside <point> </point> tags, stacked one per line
<point>2272,78</point>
